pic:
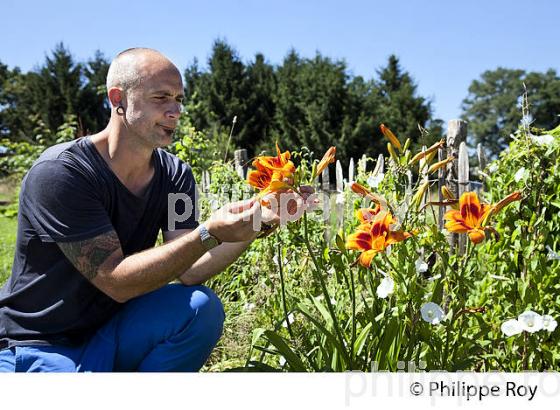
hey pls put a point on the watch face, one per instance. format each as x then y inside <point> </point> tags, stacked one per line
<point>210,242</point>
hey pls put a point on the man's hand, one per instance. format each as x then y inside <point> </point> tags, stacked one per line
<point>237,222</point>
<point>241,221</point>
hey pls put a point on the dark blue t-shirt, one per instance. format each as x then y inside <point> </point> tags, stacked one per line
<point>70,194</point>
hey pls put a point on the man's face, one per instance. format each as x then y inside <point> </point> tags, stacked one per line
<point>154,106</point>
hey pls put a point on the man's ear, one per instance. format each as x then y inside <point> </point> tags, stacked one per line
<point>115,96</point>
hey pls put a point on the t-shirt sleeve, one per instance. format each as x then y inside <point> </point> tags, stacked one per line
<point>61,204</point>
<point>182,199</point>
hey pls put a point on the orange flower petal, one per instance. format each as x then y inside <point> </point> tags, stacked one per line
<point>366,215</point>
<point>366,258</point>
<point>456,221</point>
<point>470,209</point>
<point>397,236</point>
<point>259,179</point>
<point>359,241</point>
<point>476,236</point>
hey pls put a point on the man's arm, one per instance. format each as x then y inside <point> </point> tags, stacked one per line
<point>101,260</point>
<point>212,262</point>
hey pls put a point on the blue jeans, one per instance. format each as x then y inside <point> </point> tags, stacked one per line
<point>172,329</point>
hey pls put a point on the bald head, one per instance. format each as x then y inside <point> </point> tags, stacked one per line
<point>131,66</point>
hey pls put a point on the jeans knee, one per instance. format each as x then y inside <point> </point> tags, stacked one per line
<point>209,312</point>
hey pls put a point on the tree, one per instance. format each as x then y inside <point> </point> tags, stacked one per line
<point>400,108</point>
<point>311,103</point>
<point>94,107</point>
<point>493,110</point>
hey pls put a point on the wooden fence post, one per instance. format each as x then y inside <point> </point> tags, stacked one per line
<point>463,185</point>
<point>456,133</point>
<point>326,188</point>
<point>441,183</point>
<point>351,169</point>
<point>339,204</point>
<point>241,159</point>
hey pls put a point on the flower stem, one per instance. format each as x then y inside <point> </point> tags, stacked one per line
<point>319,276</point>
<point>282,286</point>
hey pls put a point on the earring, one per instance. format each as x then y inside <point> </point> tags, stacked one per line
<point>120,110</point>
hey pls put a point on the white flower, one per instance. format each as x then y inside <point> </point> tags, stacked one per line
<point>340,199</point>
<point>290,319</point>
<point>248,306</point>
<point>549,323</point>
<point>432,313</point>
<point>520,174</point>
<point>374,180</point>
<point>526,120</point>
<point>551,256</point>
<point>542,139</point>
<point>282,361</point>
<point>530,321</point>
<point>421,266</point>
<point>493,167</point>
<point>385,288</point>
<point>511,327</point>
<point>275,260</point>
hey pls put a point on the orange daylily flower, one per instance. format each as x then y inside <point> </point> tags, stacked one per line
<point>472,216</point>
<point>327,159</point>
<point>272,172</point>
<point>280,163</point>
<point>375,237</point>
<point>391,137</point>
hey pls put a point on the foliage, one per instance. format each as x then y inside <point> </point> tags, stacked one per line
<point>492,106</point>
<point>50,94</point>
<point>338,322</point>
<point>304,102</point>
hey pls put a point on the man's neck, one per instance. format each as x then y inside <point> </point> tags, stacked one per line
<point>129,160</point>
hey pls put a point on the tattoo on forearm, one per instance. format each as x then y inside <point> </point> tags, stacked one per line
<point>87,256</point>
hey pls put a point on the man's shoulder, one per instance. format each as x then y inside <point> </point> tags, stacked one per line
<point>55,151</point>
<point>173,166</point>
<point>59,165</point>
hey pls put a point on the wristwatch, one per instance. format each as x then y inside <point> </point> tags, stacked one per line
<point>208,240</point>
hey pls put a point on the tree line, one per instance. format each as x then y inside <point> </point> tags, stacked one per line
<point>313,102</point>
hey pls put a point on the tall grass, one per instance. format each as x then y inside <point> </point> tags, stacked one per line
<point>8,227</point>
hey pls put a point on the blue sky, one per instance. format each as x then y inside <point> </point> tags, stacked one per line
<point>443,44</point>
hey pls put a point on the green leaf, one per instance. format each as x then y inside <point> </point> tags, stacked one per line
<point>280,344</point>
<point>361,339</point>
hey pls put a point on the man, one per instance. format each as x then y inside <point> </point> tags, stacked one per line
<point>88,290</point>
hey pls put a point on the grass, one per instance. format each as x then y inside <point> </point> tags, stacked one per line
<point>8,227</point>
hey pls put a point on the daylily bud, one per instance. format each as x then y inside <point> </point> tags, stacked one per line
<point>428,151</point>
<point>417,199</point>
<point>447,194</point>
<point>406,144</point>
<point>391,137</point>
<point>363,191</point>
<point>515,196</point>
<point>392,153</point>
<point>327,159</point>
<point>440,164</point>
